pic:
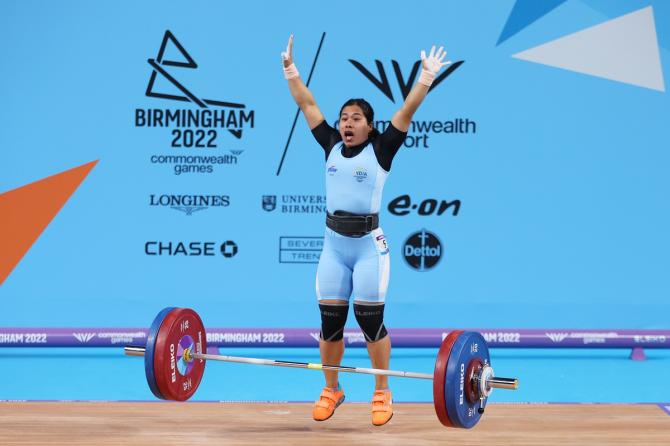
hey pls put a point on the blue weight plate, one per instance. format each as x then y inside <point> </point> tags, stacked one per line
<point>150,350</point>
<point>468,347</point>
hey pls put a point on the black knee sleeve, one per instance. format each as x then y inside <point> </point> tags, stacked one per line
<point>371,320</point>
<point>333,318</point>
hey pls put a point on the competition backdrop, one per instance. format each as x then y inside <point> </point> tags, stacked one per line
<point>149,159</point>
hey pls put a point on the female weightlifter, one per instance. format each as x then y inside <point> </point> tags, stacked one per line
<point>355,257</point>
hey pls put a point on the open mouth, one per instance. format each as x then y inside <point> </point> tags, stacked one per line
<point>348,136</point>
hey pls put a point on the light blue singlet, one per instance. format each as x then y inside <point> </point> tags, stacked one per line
<point>357,266</point>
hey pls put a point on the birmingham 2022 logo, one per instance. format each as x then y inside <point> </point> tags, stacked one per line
<point>194,131</point>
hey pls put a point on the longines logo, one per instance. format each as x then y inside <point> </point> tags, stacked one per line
<point>192,128</point>
<point>188,204</point>
<point>403,205</point>
<point>422,250</point>
<point>419,132</point>
<point>227,249</point>
<point>295,204</point>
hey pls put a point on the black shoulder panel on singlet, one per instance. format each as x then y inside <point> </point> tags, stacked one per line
<point>387,145</point>
<point>326,136</point>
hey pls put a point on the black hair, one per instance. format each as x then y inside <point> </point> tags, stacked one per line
<point>368,112</point>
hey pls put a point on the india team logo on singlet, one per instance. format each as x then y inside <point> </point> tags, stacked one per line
<point>331,170</point>
<point>361,174</point>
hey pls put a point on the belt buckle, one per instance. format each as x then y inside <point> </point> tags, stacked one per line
<point>368,223</point>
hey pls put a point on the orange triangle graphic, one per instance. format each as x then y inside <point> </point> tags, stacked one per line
<point>25,213</point>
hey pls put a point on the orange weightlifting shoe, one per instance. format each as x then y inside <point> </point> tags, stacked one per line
<point>382,411</point>
<point>329,400</point>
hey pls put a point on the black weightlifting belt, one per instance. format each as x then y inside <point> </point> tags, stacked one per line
<point>346,223</point>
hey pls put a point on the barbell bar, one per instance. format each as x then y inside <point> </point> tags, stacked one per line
<point>490,381</point>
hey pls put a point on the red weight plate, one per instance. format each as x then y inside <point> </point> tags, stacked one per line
<point>440,375</point>
<point>178,379</point>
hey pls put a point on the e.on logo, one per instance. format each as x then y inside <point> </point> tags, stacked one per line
<point>403,205</point>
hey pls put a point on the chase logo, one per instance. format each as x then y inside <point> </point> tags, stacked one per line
<point>422,250</point>
<point>229,248</point>
<point>332,170</point>
<point>360,174</point>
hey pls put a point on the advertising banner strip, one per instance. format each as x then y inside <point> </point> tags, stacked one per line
<point>306,337</point>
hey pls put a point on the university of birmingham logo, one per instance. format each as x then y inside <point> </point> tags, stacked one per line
<point>383,84</point>
<point>160,66</point>
<point>269,202</point>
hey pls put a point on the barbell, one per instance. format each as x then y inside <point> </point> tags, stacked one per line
<point>175,355</point>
